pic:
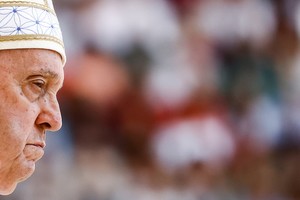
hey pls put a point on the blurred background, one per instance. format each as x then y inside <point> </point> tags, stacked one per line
<point>175,100</point>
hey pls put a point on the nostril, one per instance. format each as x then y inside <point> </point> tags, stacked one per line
<point>46,125</point>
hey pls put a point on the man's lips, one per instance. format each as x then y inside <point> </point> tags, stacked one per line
<point>34,151</point>
<point>39,144</point>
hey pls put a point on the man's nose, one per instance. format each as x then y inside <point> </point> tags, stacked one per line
<point>50,116</point>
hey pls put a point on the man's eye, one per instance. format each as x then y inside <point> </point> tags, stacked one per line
<point>39,83</point>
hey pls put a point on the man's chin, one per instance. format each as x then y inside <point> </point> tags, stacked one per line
<point>19,172</point>
<point>7,190</point>
<point>10,188</point>
<point>28,171</point>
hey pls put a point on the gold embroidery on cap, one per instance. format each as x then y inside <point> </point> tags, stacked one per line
<point>44,6</point>
<point>41,2</point>
<point>30,37</point>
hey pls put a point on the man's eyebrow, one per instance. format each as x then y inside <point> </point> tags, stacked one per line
<point>47,73</point>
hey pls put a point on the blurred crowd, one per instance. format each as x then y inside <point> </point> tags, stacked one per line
<point>176,100</point>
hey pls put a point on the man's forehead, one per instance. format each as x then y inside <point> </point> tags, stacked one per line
<point>45,64</point>
<point>33,61</point>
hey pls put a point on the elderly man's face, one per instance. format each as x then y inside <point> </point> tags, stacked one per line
<point>29,82</point>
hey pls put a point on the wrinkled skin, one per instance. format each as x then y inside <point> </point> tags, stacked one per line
<point>29,82</point>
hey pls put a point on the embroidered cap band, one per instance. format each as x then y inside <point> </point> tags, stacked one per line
<point>30,24</point>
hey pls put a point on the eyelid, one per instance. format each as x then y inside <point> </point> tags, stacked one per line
<point>35,77</point>
<point>48,80</point>
<point>39,82</point>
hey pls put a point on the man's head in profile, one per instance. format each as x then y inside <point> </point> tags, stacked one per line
<point>32,57</point>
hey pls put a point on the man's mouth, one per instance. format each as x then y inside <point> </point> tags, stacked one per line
<point>40,144</point>
<point>34,152</point>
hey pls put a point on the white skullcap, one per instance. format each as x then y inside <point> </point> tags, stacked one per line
<point>30,24</point>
